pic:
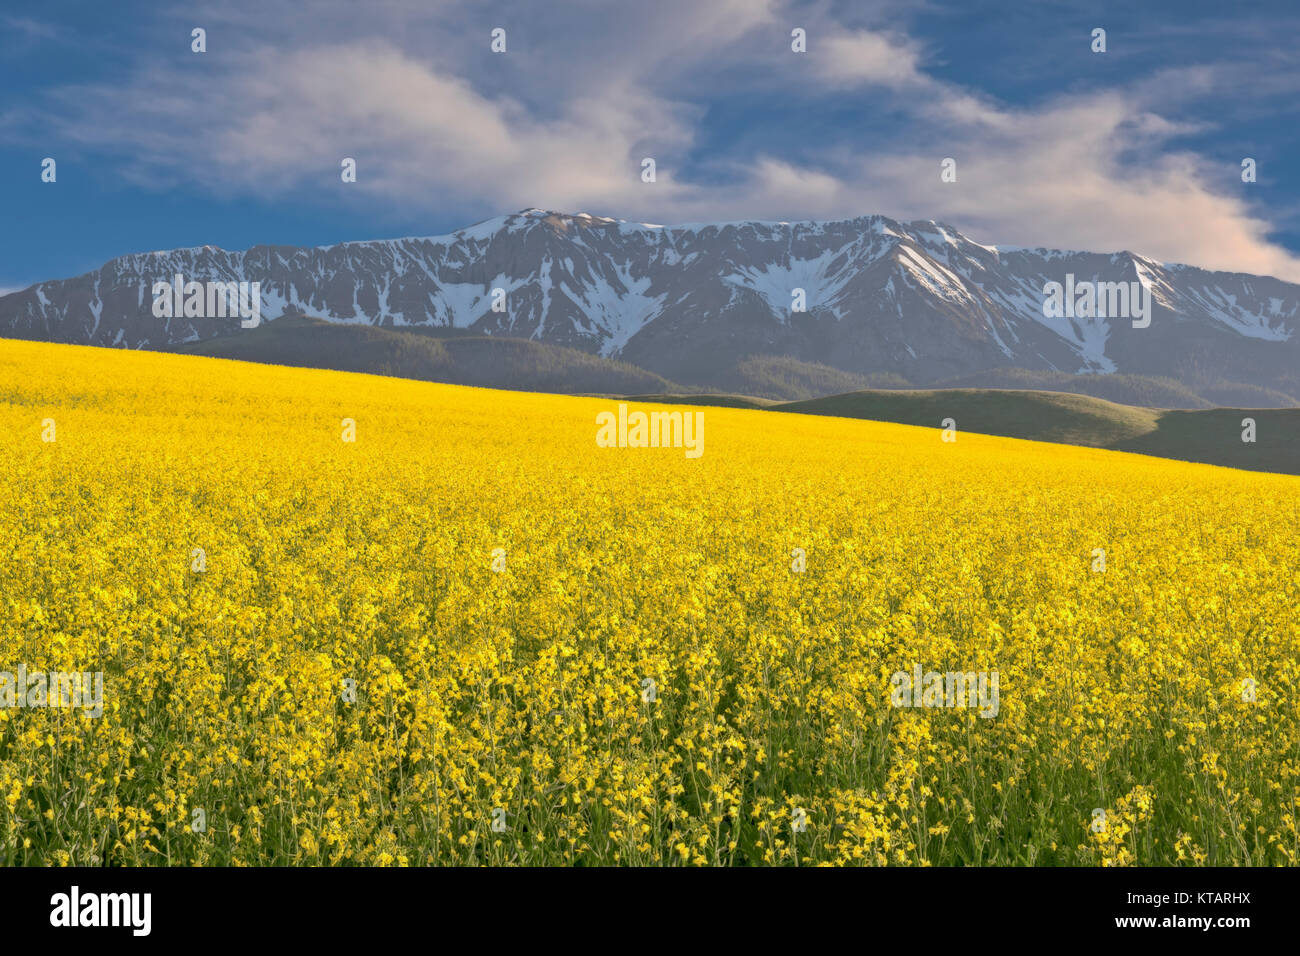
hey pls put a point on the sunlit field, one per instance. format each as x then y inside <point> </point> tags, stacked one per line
<point>472,636</point>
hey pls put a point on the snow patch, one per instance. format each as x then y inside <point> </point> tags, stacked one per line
<point>776,283</point>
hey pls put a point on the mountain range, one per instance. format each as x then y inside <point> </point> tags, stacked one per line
<point>700,306</point>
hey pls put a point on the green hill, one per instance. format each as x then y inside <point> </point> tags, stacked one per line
<point>456,357</point>
<point>1212,436</point>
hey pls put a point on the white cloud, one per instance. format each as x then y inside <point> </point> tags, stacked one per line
<point>566,127</point>
<point>280,120</point>
<point>867,57</point>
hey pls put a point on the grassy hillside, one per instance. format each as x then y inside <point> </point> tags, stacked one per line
<point>1211,436</point>
<point>1149,391</point>
<point>1040,416</point>
<point>1214,436</point>
<point>1145,390</point>
<point>780,378</point>
<point>718,401</point>
<point>459,359</point>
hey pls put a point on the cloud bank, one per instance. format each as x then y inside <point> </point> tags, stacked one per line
<point>563,119</point>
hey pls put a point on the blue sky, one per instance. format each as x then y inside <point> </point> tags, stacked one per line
<point>1136,148</point>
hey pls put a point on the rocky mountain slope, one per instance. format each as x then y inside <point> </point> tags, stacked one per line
<point>914,300</point>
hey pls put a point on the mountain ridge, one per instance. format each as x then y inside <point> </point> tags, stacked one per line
<point>686,302</point>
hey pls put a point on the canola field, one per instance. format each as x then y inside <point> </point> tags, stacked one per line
<point>473,636</point>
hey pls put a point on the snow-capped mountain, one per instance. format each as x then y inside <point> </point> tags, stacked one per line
<point>917,299</point>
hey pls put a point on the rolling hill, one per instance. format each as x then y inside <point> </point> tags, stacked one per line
<point>1211,436</point>
<point>432,356</point>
